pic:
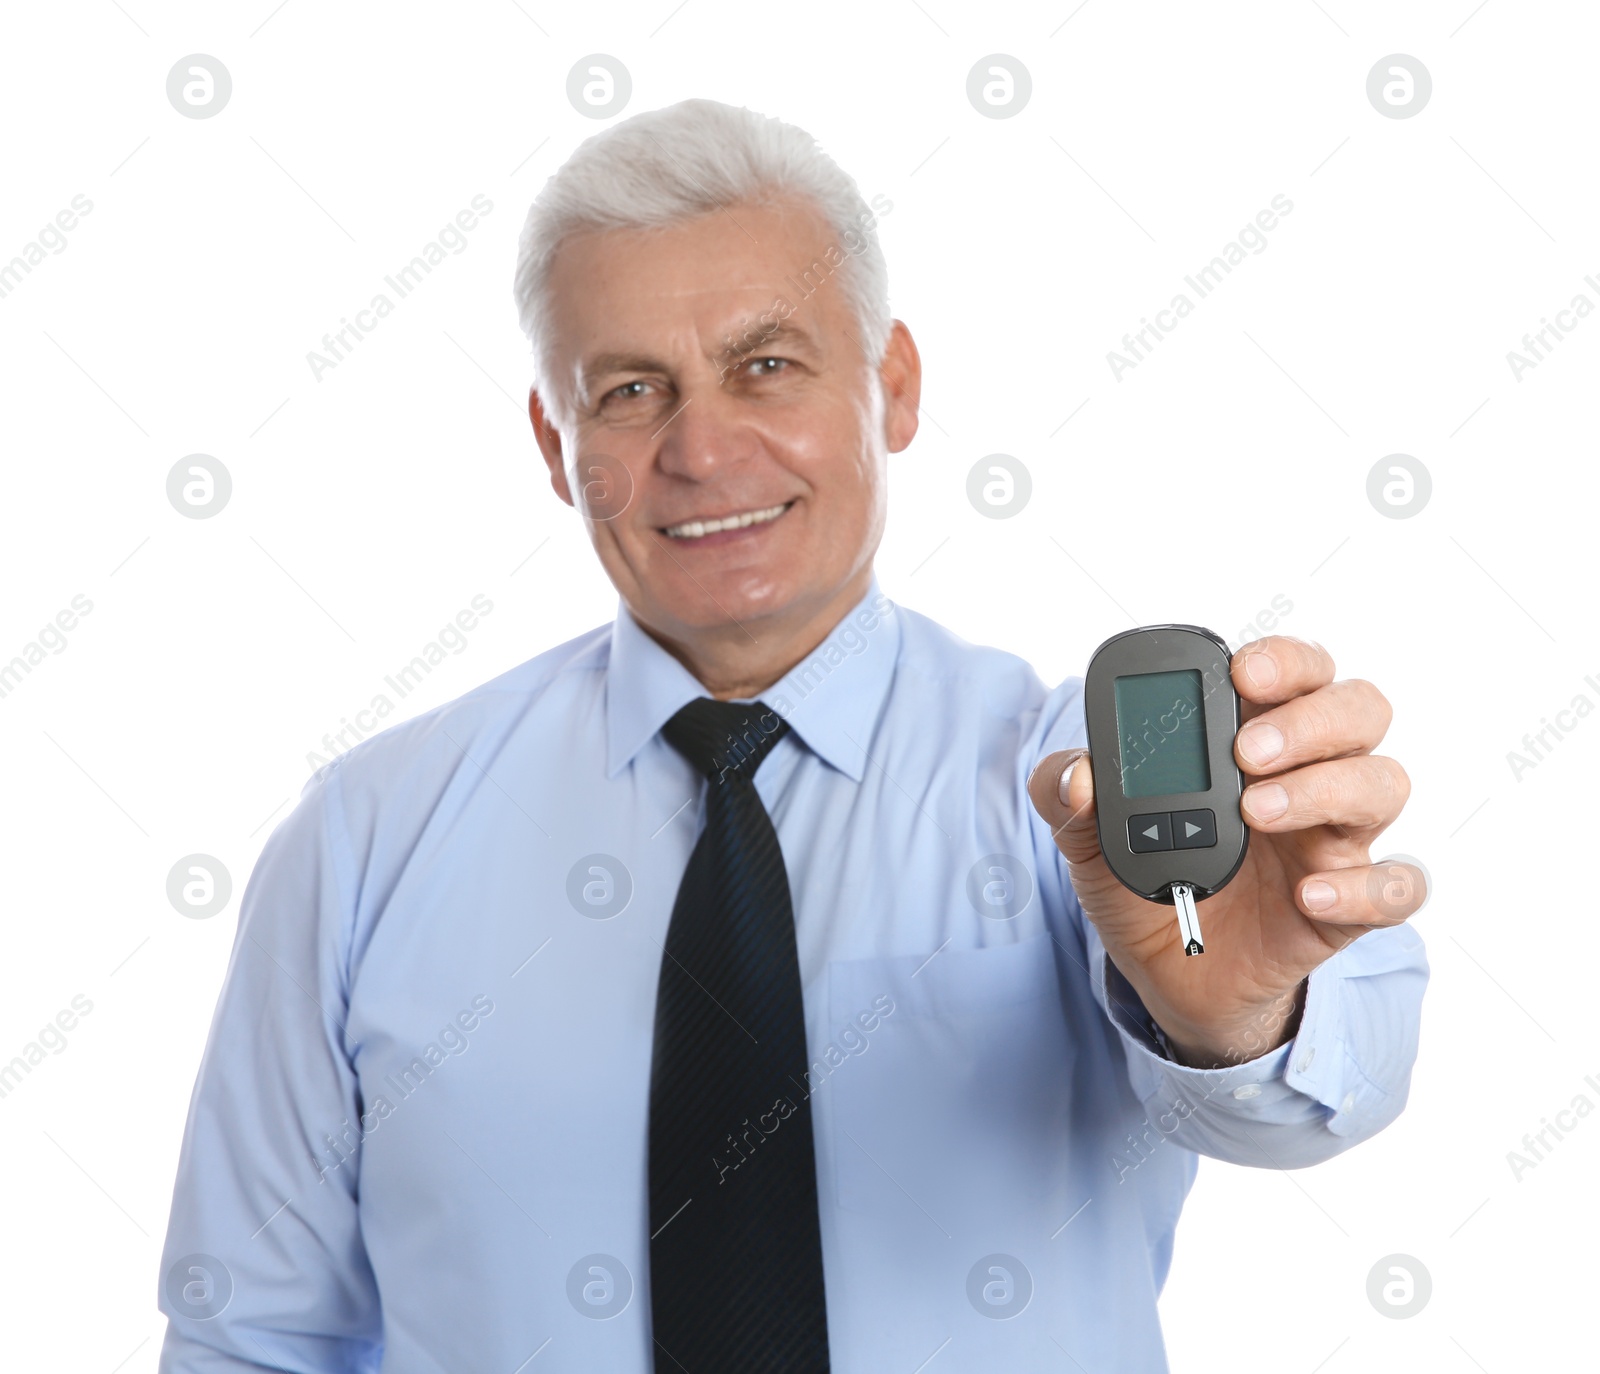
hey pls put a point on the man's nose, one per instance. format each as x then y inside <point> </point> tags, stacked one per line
<point>707,433</point>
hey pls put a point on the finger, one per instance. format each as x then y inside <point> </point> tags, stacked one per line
<point>1061,788</point>
<point>1362,793</point>
<point>1368,895</point>
<point>1333,722</point>
<point>1279,668</point>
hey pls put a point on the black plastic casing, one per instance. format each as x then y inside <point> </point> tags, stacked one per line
<point>1162,649</point>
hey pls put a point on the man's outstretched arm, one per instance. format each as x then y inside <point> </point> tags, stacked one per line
<point>1303,1013</point>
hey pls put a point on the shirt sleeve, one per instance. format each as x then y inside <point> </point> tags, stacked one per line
<point>1343,1077</point>
<point>263,1266</point>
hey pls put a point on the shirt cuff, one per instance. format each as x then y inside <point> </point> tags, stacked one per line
<point>1273,1086</point>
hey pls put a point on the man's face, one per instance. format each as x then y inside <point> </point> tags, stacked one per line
<point>695,382</point>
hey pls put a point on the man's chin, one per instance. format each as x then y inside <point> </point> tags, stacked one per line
<point>727,602</point>
<point>708,601</point>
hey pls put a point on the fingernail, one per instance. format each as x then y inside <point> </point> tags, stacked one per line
<point>1261,668</point>
<point>1318,895</point>
<point>1260,742</point>
<point>1266,800</point>
<point>1066,780</point>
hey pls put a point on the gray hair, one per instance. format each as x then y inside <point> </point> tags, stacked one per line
<point>664,166</point>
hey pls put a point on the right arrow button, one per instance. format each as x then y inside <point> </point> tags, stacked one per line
<point>1194,829</point>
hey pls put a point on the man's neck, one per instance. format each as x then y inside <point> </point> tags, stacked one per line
<point>744,659</point>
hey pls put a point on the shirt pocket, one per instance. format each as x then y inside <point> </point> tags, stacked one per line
<point>958,1105</point>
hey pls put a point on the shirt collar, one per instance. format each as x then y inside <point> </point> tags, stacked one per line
<point>831,698</point>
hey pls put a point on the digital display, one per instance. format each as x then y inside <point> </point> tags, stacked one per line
<point>1161,724</point>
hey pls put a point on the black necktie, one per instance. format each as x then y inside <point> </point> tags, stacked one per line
<point>735,1247</point>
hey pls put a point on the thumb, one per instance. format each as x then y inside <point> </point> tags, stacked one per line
<point>1061,788</point>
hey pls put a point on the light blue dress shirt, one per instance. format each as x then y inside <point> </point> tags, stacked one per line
<point>417,1138</point>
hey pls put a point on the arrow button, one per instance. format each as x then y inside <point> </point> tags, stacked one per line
<point>1194,829</point>
<point>1150,833</point>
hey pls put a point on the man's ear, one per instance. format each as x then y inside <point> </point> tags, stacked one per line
<point>548,438</point>
<point>900,373</point>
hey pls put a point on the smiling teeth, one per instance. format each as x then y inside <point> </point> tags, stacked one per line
<point>693,529</point>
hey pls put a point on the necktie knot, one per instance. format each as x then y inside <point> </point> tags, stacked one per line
<point>725,737</point>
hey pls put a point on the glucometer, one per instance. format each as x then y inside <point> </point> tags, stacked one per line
<point>1162,714</point>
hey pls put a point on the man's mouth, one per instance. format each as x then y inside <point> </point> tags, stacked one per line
<point>697,529</point>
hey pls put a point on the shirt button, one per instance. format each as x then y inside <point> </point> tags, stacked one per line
<point>1348,1103</point>
<point>1247,1090</point>
<point>1306,1058</point>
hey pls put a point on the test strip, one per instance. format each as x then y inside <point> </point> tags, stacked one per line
<point>1188,918</point>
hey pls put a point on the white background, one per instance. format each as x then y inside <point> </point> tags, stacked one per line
<point>1227,469</point>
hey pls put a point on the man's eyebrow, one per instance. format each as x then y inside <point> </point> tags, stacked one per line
<point>749,344</point>
<point>784,332</point>
<point>605,364</point>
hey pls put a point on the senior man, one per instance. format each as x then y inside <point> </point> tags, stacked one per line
<point>654,1006</point>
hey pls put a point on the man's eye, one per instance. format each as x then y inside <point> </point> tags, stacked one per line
<point>759,366</point>
<point>627,392</point>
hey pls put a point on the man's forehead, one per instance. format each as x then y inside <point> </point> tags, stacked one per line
<point>779,305</point>
<point>731,296</point>
<point>589,292</point>
<point>596,333</point>
<point>719,289</point>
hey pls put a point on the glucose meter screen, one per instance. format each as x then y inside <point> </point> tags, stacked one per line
<point>1161,724</point>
